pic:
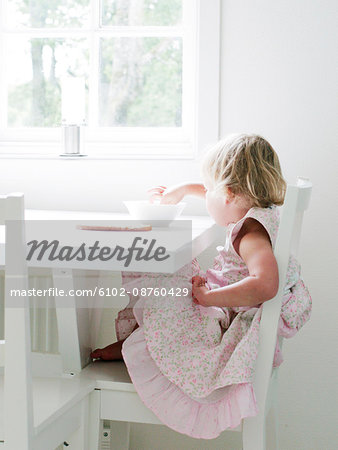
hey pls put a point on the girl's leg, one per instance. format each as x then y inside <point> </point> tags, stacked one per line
<point>123,323</point>
<point>112,352</point>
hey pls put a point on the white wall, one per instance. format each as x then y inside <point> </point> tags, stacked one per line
<point>277,78</point>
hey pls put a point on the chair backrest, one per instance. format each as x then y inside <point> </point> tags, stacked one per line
<point>296,202</point>
<point>18,424</point>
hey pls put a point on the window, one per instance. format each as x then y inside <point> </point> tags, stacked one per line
<point>127,67</point>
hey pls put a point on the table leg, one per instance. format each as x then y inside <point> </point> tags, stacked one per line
<point>67,322</point>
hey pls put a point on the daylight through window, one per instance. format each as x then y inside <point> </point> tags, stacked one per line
<point>125,67</point>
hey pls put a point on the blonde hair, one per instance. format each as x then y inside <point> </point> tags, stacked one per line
<point>249,166</point>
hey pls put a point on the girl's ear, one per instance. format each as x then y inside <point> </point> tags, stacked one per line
<point>229,196</point>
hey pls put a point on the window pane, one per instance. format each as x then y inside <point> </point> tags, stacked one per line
<point>141,12</point>
<point>35,69</point>
<point>48,13</point>
<point>140,82</point>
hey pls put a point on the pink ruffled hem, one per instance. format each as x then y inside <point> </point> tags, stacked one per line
<point>175,408</point>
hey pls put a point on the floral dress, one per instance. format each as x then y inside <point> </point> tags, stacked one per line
<point>192,365</point>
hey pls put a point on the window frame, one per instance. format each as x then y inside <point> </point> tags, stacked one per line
<point>153,143</point>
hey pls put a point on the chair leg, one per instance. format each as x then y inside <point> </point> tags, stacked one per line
<point>274,418</point>
<point>95,425</point>
<point>120,435</point>
<point>79,439</point>
<point>254,433</point>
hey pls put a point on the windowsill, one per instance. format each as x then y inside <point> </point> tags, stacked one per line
<point>42,156</point>
<point>51,151</point>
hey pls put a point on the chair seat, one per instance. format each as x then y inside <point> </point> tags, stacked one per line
<point>52,398</point>
<point>119,399</point>
<point>109,375</point>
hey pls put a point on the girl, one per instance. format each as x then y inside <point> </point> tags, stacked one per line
<point>191,359</point>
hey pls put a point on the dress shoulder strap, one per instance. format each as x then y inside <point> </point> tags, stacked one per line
<point>268,217</point>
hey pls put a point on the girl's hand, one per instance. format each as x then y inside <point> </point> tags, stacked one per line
<point>169,196</point>
<point>199,291</point>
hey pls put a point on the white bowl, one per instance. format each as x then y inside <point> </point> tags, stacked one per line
<point>156,214</point>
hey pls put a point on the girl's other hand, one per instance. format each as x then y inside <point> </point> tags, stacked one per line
<point>169,196</point>
<point>199,290</point>
<point>198,279</point>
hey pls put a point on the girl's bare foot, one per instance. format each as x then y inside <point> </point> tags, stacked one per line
<point>112,352</point>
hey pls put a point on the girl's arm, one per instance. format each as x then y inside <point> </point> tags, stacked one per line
<point>175,194</point>
<point>261,284</point>
<point>197,189</point>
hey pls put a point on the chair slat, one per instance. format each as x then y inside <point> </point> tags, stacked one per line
<point>296,202</point>
<point>305,189</point>
<point>15,206</point>
<point>18,379</point>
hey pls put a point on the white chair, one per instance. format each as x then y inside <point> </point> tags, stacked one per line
<point>37,412</point>
<point>265,380</point>
<point>117,400</point>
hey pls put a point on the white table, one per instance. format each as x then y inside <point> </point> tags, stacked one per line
<point>183,241</point>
